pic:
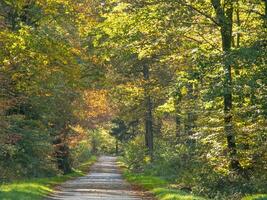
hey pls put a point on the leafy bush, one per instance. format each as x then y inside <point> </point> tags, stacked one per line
<point>81,152</point>
<point>135,154</point>
<point>27,151</point>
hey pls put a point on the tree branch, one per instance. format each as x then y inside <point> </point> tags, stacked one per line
<point>202,13</point>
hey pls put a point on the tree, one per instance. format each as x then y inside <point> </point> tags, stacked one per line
<point>224,14</point>
<point>42,65</point>
<point>119,131</point>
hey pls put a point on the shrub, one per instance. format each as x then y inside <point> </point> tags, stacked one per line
<point>27,150</point>
<point>135,154</point>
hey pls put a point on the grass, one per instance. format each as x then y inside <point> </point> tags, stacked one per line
<point>36,189</point>
<point>159,187</point>
<point>162,189</point>
<point>256,197</point>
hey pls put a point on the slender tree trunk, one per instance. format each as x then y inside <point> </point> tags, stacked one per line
<point>148,113</point>
<point>238,22</point>
<point>265,16</point>
<point>117,147</point>
<point>225,18</point>
<point>178,131</point>
<point>190,122</point>
<point>94,144</point>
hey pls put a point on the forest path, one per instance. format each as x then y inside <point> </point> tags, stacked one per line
<point>103,182</point>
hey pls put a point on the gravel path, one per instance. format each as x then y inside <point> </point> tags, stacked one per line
<point>103,182</point>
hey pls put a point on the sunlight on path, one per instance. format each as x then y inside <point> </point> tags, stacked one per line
<point>103,182</point>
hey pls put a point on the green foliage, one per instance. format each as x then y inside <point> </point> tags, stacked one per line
<point>205,81</point>
<point>135,156</point>
<point>41,66</point>
<point>102,142</point>
<point>32,154</point>
<point>185,170</point>
<point>120,130</point>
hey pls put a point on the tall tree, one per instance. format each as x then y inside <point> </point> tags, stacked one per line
<point>224,14</point>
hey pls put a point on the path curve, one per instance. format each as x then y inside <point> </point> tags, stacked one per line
<point>104,182</point>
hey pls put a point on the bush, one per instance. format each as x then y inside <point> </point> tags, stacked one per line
<point>27,150</point>
<point>81,153</point>
<point>135,155</point>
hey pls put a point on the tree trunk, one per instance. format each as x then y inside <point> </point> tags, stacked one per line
<point>63,155</point>
<point>117,147</point>
<point>265,16</point>
<point>190,122</point>
<point>178,131</point>
<point>238,22</point>
<point>148,113</point>
<point>94,145</point>
<point>225,19</point>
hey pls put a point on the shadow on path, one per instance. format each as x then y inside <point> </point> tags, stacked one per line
<point>103,182</point>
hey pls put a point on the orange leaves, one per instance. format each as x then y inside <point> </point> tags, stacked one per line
<point>96,103</point>
<point>96,108</point>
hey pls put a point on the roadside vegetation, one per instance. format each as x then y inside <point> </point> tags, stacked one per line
<point>165,189</point>
<point>38,188</point>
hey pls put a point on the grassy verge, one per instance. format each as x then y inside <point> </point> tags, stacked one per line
<point>159,187</point>
<point>35,189</point>
<point>163,190</point>
<point>256,197</point>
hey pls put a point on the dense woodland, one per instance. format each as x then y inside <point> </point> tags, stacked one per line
<point>176,88</point>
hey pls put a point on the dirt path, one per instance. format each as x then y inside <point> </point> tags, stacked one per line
<point>103,182</point>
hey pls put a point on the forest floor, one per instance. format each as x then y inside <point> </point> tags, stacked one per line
<point>104,182</point>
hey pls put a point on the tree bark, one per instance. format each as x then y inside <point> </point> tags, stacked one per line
<point>148,112</point>
<point>224,16</point>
